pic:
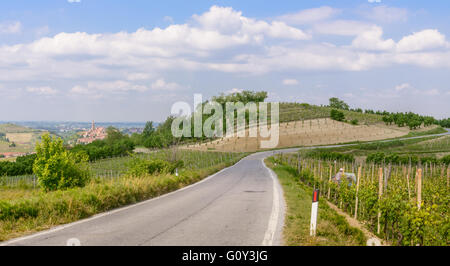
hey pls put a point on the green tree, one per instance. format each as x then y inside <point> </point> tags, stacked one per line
<point>149,129</point>
<point>338,104</point>
<point>113,135</point>
<point>337,115</point>
<point>57,168</point>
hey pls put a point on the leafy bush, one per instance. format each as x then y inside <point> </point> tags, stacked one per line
<point>139,166</point>
<point>380,157</point>
<point>337,115</point>
<point>101,149</point>
<point>330,156</point>
<point>354,122</point>
<point>446,160</point>
<point>56,168</point>
<point>22,166</point>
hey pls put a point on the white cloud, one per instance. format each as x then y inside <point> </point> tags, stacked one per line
<point>220,39</point>
<point>42,90</point>
<point>307,16</point>
<point>10,27</point>
<point>385,14</point>
<point>228,21</point>
<point>139,76</point>
<point>372,40</point>
<point>342,27</point>
<point>234,90</point>
<point>161,84</point>
<point>74,1</point>
<point>374,1</point>
<point>403,86</point>
<point>432,92</point>
<point>426,39</point>
<point>290,82</point>
<point>97,88</point>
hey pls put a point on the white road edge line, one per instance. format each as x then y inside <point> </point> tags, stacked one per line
<point>273,220</point>
<point>61,227</point>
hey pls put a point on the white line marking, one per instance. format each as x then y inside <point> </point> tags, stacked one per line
<point>61,227</point>
<point>273,220</point>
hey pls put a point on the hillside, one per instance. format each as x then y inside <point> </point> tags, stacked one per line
<point>16,140</point>
<point>310,132</point>
<point>302,111</point>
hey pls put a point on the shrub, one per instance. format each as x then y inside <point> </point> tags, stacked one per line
<point>446,160</point>
<point>22,166</point>
<point>330,156</point>
<point>56,168</point>
<point>337,115</point>
<point>354,122</point>
<point>139,166</point>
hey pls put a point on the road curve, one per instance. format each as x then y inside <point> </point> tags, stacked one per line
<point>240,205</point>
<point>233,207</point>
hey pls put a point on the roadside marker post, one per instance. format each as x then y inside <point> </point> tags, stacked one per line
<point>314,209</point>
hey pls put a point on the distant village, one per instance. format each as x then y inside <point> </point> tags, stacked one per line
<point>25,134</point>
<point>95,133</point>
<point>99,133</point>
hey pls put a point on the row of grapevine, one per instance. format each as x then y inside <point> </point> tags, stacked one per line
<point>404,204</point>
<point>115,167</point>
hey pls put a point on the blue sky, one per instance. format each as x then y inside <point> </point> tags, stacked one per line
<point>112,60</point>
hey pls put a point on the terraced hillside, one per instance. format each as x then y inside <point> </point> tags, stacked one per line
<point>307,133</point>
<point>302,111</point>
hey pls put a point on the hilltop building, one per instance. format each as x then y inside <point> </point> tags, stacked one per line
<point>95,133</point>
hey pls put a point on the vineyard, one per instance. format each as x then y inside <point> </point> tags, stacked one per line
<point>307,133</point>
<point>404,204</point>
<point>114,168</point>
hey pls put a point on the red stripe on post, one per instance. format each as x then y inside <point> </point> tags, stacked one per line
<point>316,195</point>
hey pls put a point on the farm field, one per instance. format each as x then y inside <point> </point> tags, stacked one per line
<point>309,133</point>
<point>24,140</point>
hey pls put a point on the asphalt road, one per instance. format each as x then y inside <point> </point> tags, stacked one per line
<point>240,205</point>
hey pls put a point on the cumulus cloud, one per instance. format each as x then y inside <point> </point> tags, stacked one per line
<point>308,16</point>
<point>373,40</point>
<point>426,39</point>
<point>228,21</point>
<point>220,39</point>
<point>74,1</point>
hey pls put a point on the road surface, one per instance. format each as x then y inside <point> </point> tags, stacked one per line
<point>240,205</point>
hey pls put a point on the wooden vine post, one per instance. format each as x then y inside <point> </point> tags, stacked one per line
<point>419,188</point>
<point>380,193</point>
<point>357,190</point>
<point>448,175</point>
<point>409,190</point>
<point>329,181</point>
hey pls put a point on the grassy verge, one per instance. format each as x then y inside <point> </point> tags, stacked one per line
<point>39,211</point>
<point>332,229</point>
<point>433,131</point>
